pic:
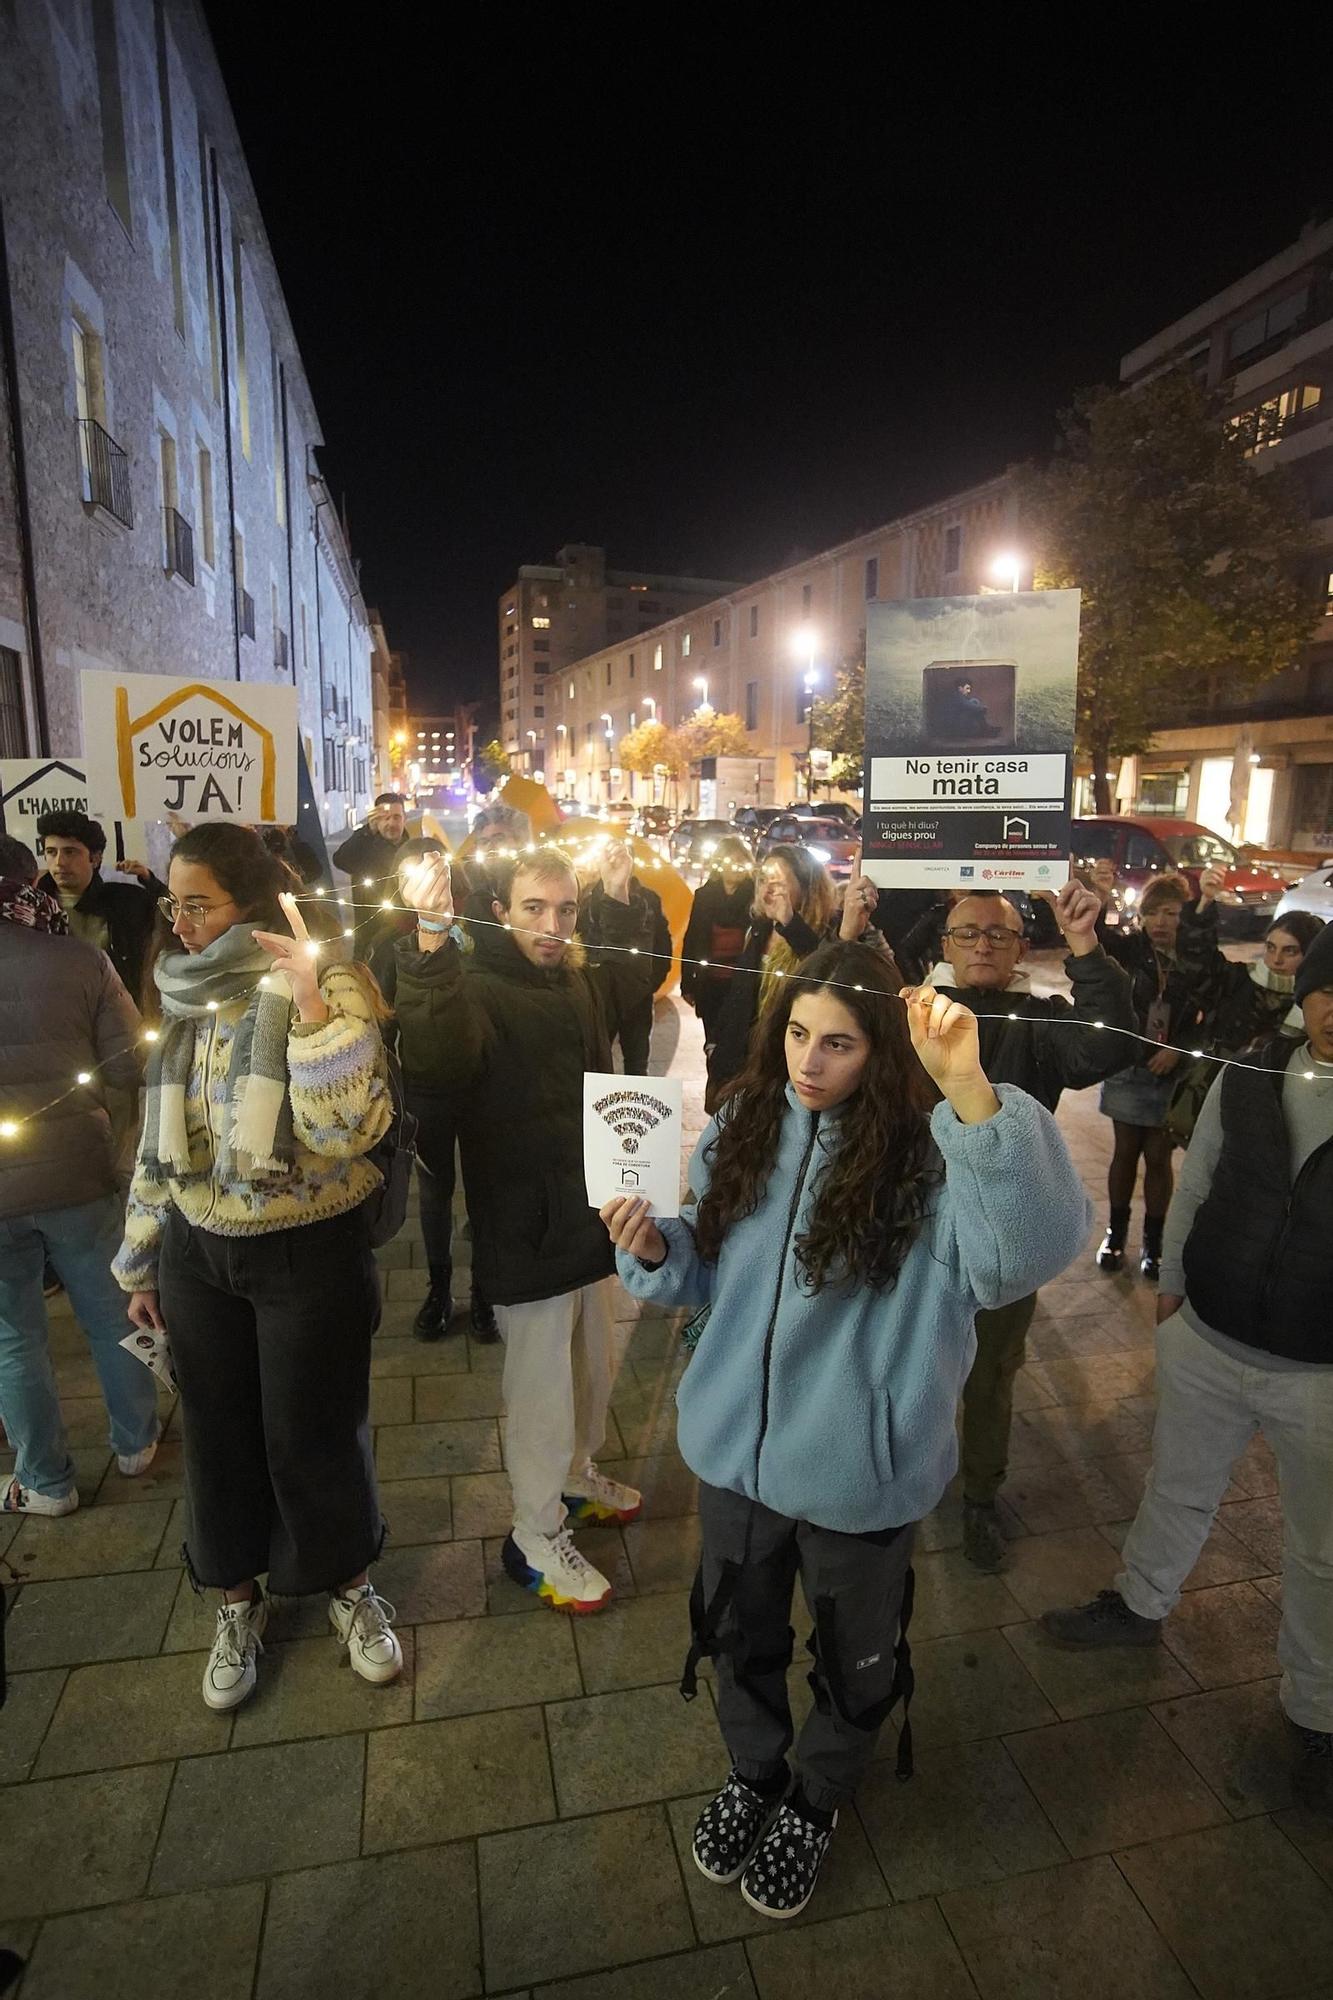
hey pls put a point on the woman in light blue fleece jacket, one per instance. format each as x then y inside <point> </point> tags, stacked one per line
<point>844,1235</point>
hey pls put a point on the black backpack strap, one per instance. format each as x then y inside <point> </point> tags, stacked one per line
<point>829,1685</point>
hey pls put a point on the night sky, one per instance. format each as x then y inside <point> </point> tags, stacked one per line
<point>712,307</point>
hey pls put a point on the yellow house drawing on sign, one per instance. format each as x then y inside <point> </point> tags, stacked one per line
<point>128,727</point>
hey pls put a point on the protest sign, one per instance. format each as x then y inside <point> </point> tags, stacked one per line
<point>631,1139</point>
<point>31,786</point>
<point>203,749</point>
<point>970,740</point>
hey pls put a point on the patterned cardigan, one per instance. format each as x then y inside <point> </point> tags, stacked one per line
<point>340,1108</point>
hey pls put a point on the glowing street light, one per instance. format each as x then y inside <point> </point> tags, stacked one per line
<point>701,682</point>
<point>1008,569</point>
<point>804,643</point>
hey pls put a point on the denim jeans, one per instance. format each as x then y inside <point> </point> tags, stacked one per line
<point>80,1242</point>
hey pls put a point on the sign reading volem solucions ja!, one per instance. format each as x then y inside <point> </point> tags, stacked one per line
<point>203,749</point>
<point>969,740</point>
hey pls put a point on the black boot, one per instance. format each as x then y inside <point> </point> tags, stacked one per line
<point>1111,1256</point>
<point>437,1308</point>
<point>1150,1263</point>
<point>484,1329</point>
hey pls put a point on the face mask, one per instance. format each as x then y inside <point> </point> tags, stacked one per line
<point>1272,982</point>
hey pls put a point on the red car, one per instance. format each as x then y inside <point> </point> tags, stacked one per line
<point>1142,848</point>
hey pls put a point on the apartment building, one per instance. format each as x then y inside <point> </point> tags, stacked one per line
<point>554,613</point>
<point>1265,345</point>
<point>440,750</point>
<point>755,651</point>
<point>161,507</point>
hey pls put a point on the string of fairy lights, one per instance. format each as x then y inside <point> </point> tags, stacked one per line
<point>12,1128</point>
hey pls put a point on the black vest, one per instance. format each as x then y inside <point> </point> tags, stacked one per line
<point>1259,1259</point>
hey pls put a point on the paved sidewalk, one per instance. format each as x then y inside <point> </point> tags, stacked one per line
<point>514,1815</point>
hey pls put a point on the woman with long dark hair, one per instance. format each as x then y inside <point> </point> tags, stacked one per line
<point>247,1241</point>
<point>845,1235</point>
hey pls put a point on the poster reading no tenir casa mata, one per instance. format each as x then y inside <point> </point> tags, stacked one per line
<point>204,749</point>
<point>969,740</point>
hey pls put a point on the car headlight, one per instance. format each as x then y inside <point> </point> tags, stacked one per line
<point>819,854</point>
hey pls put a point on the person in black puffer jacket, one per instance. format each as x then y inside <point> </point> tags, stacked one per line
<point>719,920</point>
<point>1247,1004</point>
<point>626,937</point>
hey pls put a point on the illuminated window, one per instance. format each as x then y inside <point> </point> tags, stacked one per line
<point>571,690</point>
<point>685,639</point>
<point>657,662</point>
<point>541,623</point>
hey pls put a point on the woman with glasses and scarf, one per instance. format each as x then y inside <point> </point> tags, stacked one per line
<point>246,1242</point>
<point>845,1235</point>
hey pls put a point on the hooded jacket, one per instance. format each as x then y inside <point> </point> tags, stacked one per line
<point>838,1406</point>
<point>504,1044</point>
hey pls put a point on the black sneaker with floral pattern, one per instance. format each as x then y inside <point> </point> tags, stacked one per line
<point>730,1828</point>
<point>781,1878</point>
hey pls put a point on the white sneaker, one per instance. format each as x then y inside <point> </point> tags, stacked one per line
<point>593,1497</point>
<point>553,1567</point>
<point>131,1463</point>
<point>229,1677</point>
<point>18,1499</point>
<point>364,1623</point>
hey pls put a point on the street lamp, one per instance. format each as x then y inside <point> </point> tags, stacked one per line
<point>701,682</point>
<point>804,641</point>
<point>1009,569</point>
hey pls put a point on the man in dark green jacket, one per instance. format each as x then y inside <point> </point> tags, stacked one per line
<point>505,1035</point>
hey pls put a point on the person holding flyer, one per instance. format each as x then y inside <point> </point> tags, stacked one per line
<point>247,1241</point>
<point>845,1236</point>
<point>504,1037</point>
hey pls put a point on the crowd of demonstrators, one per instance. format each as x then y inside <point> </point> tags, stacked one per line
<point>1170,1002</point>
<point>505,1034</point>
<point>628,944</point>
<point>370,854</point>
<point>115,917</point>
<point>66,1015</point>
<point>1245,1004</point>
<point>436,1140</point>
<point>716,932</point>
<point>845,1235</point>
<point>796,909</point>
<point>1245,1346</point>
<point>1043,1044</point>
<point>286,843</point>
<point>248,1239</point>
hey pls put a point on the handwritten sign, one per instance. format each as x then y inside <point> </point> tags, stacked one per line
<point>631,1139</point>
<point>32,786</point>
<point>203,749</point>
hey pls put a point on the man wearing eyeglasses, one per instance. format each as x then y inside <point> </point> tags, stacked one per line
<point>1045,1044</point>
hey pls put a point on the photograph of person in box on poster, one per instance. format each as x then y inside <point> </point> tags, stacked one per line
<point>967,703</point>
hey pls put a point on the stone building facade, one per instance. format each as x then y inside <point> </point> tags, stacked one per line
<point>749,651</point>
<point>161,508</point>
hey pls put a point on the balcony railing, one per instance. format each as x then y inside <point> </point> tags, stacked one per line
<point>106,471</point>
<point>180,547</point>
<point>247,615</point>
<point>280,661</point>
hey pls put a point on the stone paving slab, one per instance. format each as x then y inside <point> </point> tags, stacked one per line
<point>513,1817</point>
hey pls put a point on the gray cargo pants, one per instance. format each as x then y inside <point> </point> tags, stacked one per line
<point>859,1591</point>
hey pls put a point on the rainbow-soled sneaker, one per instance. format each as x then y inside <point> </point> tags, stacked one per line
<point>592,1499</point>
<point>551,1566</point>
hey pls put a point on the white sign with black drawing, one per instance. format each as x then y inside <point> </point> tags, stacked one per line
<point>158,745</point>
<point>632,1138</point>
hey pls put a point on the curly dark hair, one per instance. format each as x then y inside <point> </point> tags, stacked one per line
<point>871,1194</point>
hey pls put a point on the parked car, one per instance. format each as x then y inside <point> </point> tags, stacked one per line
<point>694,842</point>
<point>621,811</point>
<point>1313,892</point>
<point>824,809</point>
<point>1138,849</point>
<point>751,820</point>
<point>829,840</point>
<point>653,822</point>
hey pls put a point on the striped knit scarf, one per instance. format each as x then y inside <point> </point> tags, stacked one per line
<point>258,1142</point>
